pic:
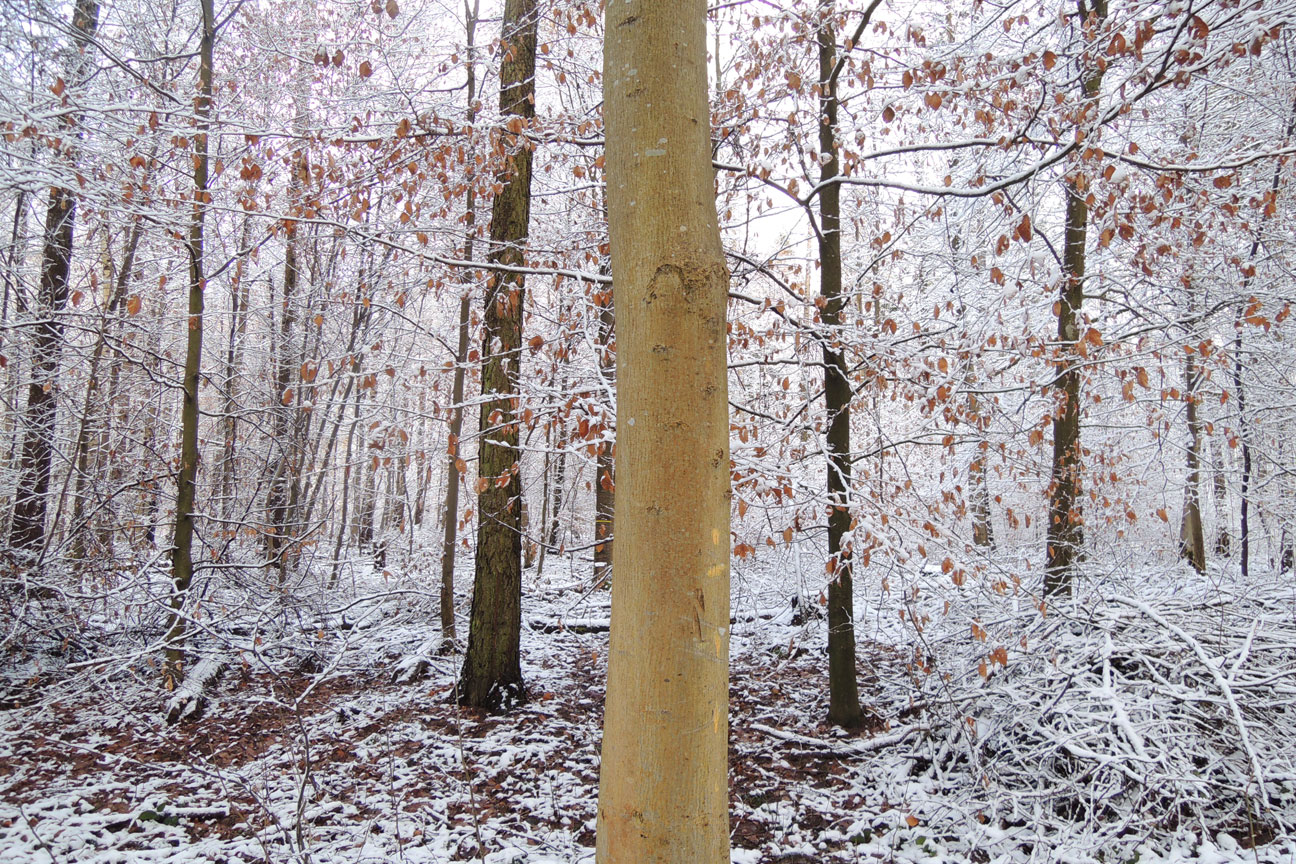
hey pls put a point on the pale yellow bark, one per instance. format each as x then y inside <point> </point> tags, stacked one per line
<point>663,794</point>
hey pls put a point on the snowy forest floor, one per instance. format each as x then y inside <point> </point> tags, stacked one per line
<point>1104,736</point>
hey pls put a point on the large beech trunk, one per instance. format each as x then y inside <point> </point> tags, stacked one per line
<point>663,792</point>
<point>492,670</point>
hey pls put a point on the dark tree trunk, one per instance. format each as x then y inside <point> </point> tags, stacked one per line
<point>843,689</point>
<point>492,671</point>
<point>96,422</point>
<point>450,510</point>
<point>1065,530</point>
<point>605,458</point>
<point>27,528</point>
<point>187,475</point>
<point>281,530</point>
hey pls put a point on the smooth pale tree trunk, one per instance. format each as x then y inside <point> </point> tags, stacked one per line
<point>27,526</point>
<point>663,781</point>
<point>843,690</point>
<point>187,475</point>
<point>1192,539</point>
<point>1219,494</point>
<point>492,670</point>
<point>1065,530</point>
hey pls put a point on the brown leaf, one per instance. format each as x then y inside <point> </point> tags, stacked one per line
<point>365,69</point>
<point>133,304</point>
<point>392,9</point>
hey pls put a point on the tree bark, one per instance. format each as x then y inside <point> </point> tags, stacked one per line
<point>605,457</point>
<point>978,479</point>
<point>187,475</point>
<point>450,509</point>
<point>1192,539</point>
<point>281,529</point>
<point>1065,531</point>
<point>239,302</point>
<point>492,670</point>
<point>27,527</point>
<point>95,422</point>
<point>1219,489</point>
<point>663,792</point>
<point>843,690</point>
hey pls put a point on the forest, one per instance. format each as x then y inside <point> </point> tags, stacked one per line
<point>648,431</point>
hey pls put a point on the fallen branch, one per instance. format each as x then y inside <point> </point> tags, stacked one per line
<point>859,748</point>
<point>189,701</point>
<point>1213,667</point>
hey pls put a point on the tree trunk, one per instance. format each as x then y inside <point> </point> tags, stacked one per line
<point>843,690</point>
<point>1065,531</point>
<point>1192,540</point>
<point>604,460</point>
<point>281,530</point>
<point>1244,435</point>
<point>450,510</point>
<point>96,422</point>
<point>492,670</point>
<point>1219,489</point>
<point>239,303</point>
<point>187,475</point>
<point>550,528</point>
<point>978,479</point>
<point>663,791</point>
<point>27,528</point>
<point>544,496</point>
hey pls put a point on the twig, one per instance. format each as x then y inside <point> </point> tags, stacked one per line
<point>49,850</point>
<point>1220,681</point>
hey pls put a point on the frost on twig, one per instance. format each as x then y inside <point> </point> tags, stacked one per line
<point>852,748</point>
<point>188,702</point>
<point>1112,719</point>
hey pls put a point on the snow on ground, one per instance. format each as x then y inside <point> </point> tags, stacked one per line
<point>1111,729</point>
